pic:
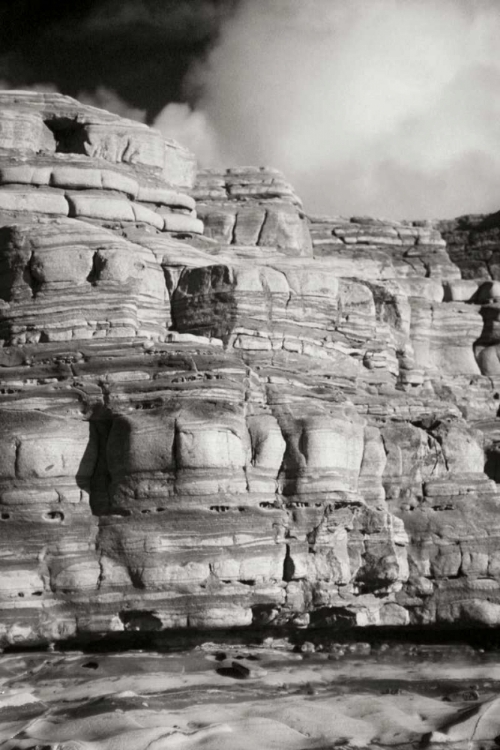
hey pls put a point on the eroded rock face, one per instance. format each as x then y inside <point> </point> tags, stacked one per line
<point>217,412</point>
<point>251,206</point>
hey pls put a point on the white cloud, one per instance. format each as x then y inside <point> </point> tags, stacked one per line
<point>191,128</point>
<point>388,107</point>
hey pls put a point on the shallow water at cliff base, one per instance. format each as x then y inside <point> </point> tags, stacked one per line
<point>270,696</point>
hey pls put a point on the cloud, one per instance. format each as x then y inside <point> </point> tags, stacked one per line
<point>191,128</point>
<point>106,98</point>
<point>388,107</point>
<point>140,49</point>
<point>180,20</point>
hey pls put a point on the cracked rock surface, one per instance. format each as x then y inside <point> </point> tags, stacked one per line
<point>216,411</point>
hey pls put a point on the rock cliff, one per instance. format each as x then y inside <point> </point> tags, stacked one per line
<point>218,411</point>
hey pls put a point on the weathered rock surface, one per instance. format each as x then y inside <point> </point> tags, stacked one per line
<point>250,206</point>
<point>262,419</point>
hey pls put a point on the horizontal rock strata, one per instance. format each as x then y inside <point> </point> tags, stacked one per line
<point>216,411</point>
<point>252,207</point>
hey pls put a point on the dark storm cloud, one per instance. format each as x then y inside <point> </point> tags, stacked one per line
<point>136,50</point>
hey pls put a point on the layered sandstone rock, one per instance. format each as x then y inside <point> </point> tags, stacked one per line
<point>217,412</point>
<point>251,206</point>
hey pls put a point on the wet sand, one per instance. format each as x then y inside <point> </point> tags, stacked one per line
<point>220,696</point>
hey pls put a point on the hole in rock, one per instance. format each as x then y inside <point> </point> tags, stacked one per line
<point>263,614</point>
<point>70,136</point>
<point>145,405</point>
<point>5,516</point>
<point>332,616</point>
<point>492,464</point>
<point>137,619</point>
<point>20,593</point>
<point>145,511</point>
<point>182,236</point>
<point>98,265</point>
<point>54,515</point>
<point>236,671</point>
<point>267,505</point>
<point>37,593</point>
<point>220,508</point>
<point>90,665</point>
<point>160,510</point>
<point>31,276</point>
<point>288,566</point>
<point>136,578</point>
<point>496,396</point>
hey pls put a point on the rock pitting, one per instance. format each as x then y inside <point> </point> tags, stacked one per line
<point>217,411</point>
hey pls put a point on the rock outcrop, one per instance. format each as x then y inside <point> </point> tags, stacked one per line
<point>216,411</point>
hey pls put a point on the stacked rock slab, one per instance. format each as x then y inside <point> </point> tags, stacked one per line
<point>252,206</point>
<point>262,420</point>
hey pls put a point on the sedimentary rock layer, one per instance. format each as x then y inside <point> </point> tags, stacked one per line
<point>216,411</point>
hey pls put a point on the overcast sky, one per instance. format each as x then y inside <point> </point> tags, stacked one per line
<point>382,107</point>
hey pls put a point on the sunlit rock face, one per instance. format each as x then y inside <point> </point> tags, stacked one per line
<point>218,412</point>
<point>251,206</point>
